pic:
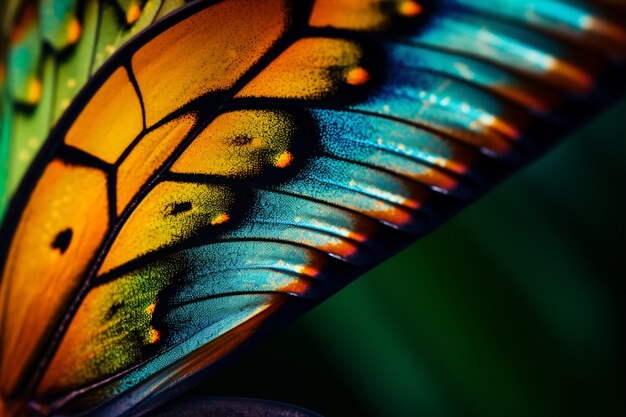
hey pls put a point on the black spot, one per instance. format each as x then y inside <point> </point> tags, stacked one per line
<point>113,310</point>
<point>241,140</point>
<point>62,241</point>
<point>178,208</point>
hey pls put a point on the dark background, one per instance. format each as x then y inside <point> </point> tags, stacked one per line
<point>513,308</point>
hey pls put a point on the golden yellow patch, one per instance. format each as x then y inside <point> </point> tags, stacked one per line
<point>306,70</point>
<point>171,213</point>
<point>239,144</point>
<point>362,15</point>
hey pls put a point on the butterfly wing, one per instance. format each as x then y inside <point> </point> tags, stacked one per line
<point>214,180</point>
<point>55,47</point>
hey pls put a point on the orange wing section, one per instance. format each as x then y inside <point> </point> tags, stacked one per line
<point>204,54</point>
<point>110,121</point>
<point>361,15</point>
<point>51,250</point>
<point>312,68</point>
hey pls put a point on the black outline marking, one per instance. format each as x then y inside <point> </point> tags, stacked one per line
<point>62,240</point>
<point>133,81</point>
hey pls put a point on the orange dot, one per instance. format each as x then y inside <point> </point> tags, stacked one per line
<point>150,308</point>
<point>155,335</point>
<point>73,31</point>
<point>34,91</point>
<point>309,271</point>
<point>220,219</point>
<point>409,8</point>
<point>284,159</point>
<point>357,76</point>
<point>133,13</point>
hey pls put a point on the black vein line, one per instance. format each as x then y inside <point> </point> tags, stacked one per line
<point>133,81</point>
<point>76,156</point>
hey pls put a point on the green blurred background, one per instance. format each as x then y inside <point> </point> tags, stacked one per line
<point>513,308</point>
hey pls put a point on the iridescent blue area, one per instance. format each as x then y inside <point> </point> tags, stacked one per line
<point>471,70</point>
<point>384,143</point>
<point>359,188</point>
<point>492,41</point>
<point>213,289</point>
<point>315,224</point>
<point>439,103</point>
<point>572,15</point>
<point>252,266</point>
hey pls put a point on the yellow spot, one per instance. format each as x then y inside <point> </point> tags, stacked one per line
<point>133,13</point>
<point>73,31</point>
<point>65,103</point>
<point>155,335</point>
<point>284,159</point>
<point>24,155</point>
<point>220,219</point>
<point>357,76</point>
<point>409,8</point>
<point>297,219</point>
<point>34,91</point>
<point>110,49</point>
<point>71,83</point>
<point>352,183</point>
<point>33,142</point>
<point>150,308</point>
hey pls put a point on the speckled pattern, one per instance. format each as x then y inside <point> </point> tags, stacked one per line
<point>291,149</point>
